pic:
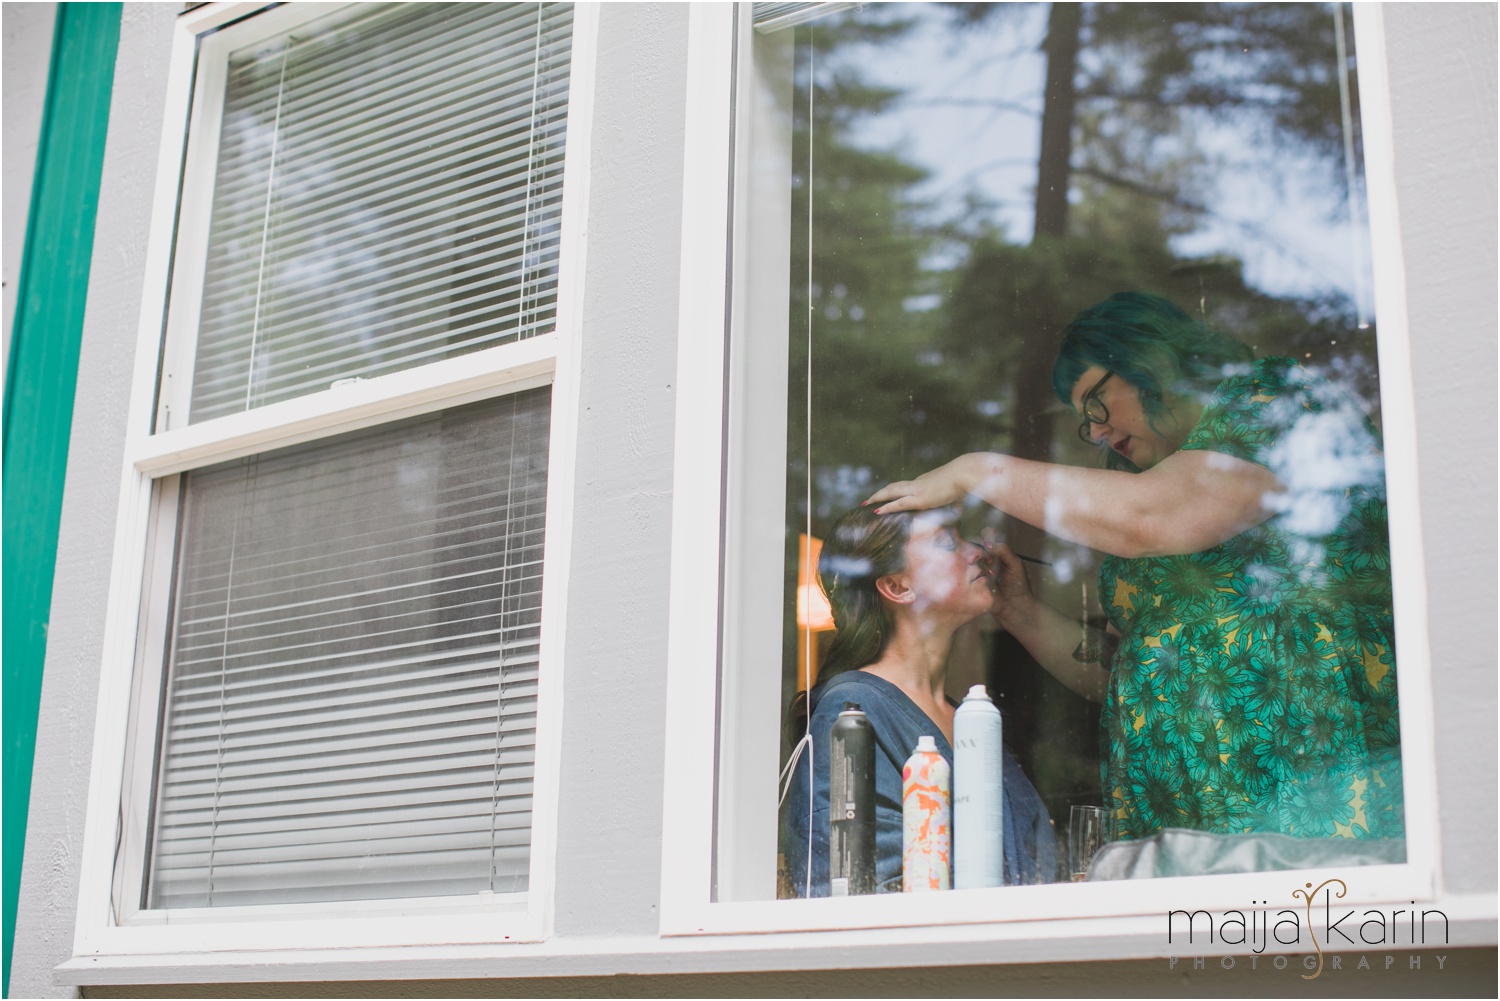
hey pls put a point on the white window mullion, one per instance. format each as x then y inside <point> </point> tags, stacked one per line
<point>507,367</point>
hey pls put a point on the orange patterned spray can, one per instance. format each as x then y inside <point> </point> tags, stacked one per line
<point>927,820</point>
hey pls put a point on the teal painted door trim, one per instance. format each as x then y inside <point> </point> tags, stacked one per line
<point>40,379</point>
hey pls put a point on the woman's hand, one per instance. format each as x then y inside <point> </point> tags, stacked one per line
<point>938,488</point>
<point>1048,635</point>
<point>1014,599</point>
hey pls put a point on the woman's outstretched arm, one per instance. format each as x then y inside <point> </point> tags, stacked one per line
<point>1188,502</point>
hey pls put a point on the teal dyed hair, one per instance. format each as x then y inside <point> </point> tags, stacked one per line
<point>1150,343</point>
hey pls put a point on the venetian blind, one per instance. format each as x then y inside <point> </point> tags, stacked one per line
<point>351,691</point>
<point>769,17</point>
<point>388,193</point>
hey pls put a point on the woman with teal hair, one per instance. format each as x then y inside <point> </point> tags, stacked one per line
<point>1248,678</point>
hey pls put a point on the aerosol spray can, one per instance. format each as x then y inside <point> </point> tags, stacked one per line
<point>978,804</point>
<point>927,820</point>
<point>851,802</point>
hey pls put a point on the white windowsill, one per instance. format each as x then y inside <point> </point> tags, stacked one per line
<point>1472,921</point>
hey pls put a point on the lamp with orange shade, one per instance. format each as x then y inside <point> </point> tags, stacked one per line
<point>813,614</point>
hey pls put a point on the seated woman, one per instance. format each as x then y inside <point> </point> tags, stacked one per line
<point>900,586</point>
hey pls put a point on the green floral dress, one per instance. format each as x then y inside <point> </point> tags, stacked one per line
<point>1254,688</point>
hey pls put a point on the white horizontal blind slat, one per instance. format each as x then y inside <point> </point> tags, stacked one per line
<point>351,691</point>
<point>387,194</point>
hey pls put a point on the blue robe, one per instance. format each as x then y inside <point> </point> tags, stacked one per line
<point>1031,850</point>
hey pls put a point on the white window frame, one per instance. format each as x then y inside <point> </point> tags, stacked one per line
<point>709,672</point>
<point>108,934</point>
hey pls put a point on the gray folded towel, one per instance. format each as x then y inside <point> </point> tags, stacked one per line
<point>1178,852</point>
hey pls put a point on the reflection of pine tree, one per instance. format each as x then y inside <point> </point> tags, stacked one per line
<point>1124,85</point>
<point>877,399</point>
<point>871,395</point>
<point>899,389</point>
<point>1141,72</point>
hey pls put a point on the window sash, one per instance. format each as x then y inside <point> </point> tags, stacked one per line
<point>529,30</point>
<point>249,323</point>
<point>715,493</point>
<point>351,698</point>
<point>110,921</point>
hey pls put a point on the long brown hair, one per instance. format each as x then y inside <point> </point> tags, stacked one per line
<point>861,547</point>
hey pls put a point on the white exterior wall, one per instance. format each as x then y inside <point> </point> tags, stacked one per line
<point>1443,71</point>
<point>1443,97</point>
<point>70,679</point>
<point>27,29</point>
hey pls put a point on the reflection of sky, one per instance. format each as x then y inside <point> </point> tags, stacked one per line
<point>972,118</point>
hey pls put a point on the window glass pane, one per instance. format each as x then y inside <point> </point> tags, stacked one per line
<point>351,691</point>
<point>387,194</point>
<point>1116,254</point>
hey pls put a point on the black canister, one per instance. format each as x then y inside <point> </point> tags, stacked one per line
<point>851,804</point>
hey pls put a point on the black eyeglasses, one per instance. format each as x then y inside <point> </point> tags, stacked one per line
<point>1094,410</point>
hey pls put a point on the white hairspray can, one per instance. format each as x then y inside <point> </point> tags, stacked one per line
<point>978,801</point>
